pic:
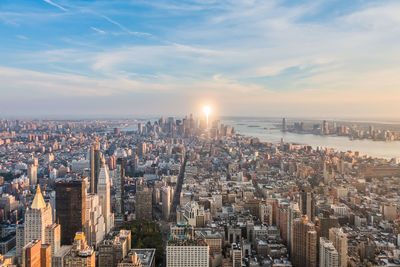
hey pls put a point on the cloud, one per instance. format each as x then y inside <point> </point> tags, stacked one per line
<point>122,27</point>
<point>55,5</point>
<point>98,30</point>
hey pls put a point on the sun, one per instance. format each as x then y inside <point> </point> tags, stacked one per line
<point>207,110</point>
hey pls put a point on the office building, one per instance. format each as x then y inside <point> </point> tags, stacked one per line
<point>71,208</point>
<point>103,191</point>
<point>95,164</point>
<point>304,253</point>
<point>166,201</point>
<point>187,253</point>
<point>144,203</point>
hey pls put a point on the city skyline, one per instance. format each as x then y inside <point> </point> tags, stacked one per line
<point>243,58</point>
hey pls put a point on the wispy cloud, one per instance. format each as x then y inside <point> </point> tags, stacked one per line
<point>55,5</point>
<point>125,29</point>
<point>98,30</point>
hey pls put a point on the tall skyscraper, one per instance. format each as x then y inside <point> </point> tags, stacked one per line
<point>71,208</point>
<point>37,218</point>
<point>307,203</point>
<point>119,189</point>
<point>304,253</point>
<point>103,191</point>
<point>339,240</point>
<point>31,254</point>
<point>32,174</point>
<point>95,228</point>
<point>293,213</point>
<point>328,256</point>
<point>95,163</point>
<point>166,201</point>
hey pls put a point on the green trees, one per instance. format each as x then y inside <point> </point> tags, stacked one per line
<point>146,234</point>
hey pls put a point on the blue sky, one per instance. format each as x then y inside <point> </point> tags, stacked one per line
<point>322,58</point>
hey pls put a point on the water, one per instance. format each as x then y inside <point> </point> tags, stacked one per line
<point>268,131</point>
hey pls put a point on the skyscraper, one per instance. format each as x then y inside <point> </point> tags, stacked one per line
<point>103,191</point>
<point>32,174</point>
<point>293,213</point>
<point>166,201</point>
<point>284,126</point>
<point>304,253</point>
<point>37,218</point>
<point>71,208</point>
<point>95,163</point>
<point>119,189</point>
<point>339,240</point>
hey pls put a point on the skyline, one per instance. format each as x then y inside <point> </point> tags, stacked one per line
<point>248,58</point>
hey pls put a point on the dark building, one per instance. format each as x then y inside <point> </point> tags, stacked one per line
<point>95,164</point>
<point>71,208</point>
<point>143,204</point>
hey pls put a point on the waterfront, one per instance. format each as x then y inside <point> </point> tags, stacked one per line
<point>269,131</point>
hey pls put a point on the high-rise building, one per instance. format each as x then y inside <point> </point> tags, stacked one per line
<point>45,255</point>
<point>166,201</point>
<point>95,163</point>
<point>328,256</point>
<point>53,237</point>
<point>103,191</point>
<point>71,208</point>
<point>81,255</point>
<point>187,253</point>
<point>32,174</point>
<point>119,189</point>
<point>307,203</point>
<point>326,223</point>
<point>37,218</point>
<point>114,249</point>
<point>143,203</point>
<point>293,213</point>
<point>304,253</point>
<point>95,228</point>
<point>141,149</point>
<point>339,240</point>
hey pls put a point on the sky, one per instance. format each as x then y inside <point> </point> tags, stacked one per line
<point>267,58</point>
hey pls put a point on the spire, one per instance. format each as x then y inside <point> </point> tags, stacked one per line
<point>38,202</point>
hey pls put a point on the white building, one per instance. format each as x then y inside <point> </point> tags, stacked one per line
<point>188,253</point>
<point>103,191</point>
<point>328,255</point>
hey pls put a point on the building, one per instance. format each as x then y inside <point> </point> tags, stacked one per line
<point>103,191</point>
<point>95,227</point>
<point>38,219</point>
<point>45,255</point>
<point>81,255</point>
<point>113,250</point>
<point>187,253</point>
<point>119,189</point>
<point>95,163</point>
<point>53,237</point>
<point>31,254</point>
<point>339,240</point>
<point>71,208</point>
<point>32,174</point>
<point>293,213</point>
<point>304,253</point>
<point>144,257</point>
<point>166,201</point>
<point>236,255</point>
<point>144,203</point>
<point>328,256</point>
